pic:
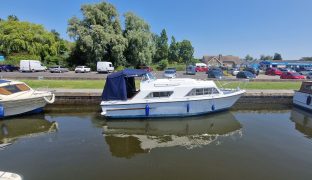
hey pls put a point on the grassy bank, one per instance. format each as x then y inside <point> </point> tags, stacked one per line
<point>99,84</point>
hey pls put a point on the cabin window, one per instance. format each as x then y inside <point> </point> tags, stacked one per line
<point>11,89</point>
<point>308,87</point>
<point>163,94</point>
<point>202,91</point>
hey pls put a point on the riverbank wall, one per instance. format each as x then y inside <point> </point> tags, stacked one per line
<point>251,98</point>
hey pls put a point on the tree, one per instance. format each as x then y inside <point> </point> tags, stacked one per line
<point>13,18</point>
<point>277,56</point>
<point>173,55</point>
<point>141,47</point>
<point>306,59</point>
<point>248,58</point>
<point>98,35</point>
<point>26,38</point>
<point>186,51</point>
<point>264,57</point>
<point>161,47</point>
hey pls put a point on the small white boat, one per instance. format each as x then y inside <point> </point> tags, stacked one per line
<point>303,97</point>
<point>9,176</point>
<point>18,98</point>
<point>162,97</point>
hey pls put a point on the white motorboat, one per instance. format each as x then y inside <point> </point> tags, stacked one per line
<point>162,97</point>
<point>18,98</point>
<point>9,176</point>
<point>303,97</point>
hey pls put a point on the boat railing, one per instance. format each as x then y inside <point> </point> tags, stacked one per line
<point>230,85</point>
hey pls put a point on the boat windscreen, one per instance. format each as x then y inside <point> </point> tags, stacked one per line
<point>11,89</point>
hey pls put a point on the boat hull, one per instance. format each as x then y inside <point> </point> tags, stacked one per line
<point>169,109</point>
<point>300,100</point>
<point>22,106</point>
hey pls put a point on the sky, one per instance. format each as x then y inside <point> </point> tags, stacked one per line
<point>227,27</point>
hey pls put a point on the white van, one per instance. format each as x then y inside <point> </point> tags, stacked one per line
<point>31,66</point>
<point>104,67</point>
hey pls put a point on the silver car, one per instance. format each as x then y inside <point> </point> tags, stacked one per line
<point>58,69</point>
<point>170,73</point>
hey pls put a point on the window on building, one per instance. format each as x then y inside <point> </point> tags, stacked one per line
<point>202,91</point>
<point>163,94</point>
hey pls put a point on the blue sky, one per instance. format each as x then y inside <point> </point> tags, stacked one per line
<point>228,27</point>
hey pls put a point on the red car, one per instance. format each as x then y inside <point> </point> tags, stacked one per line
<point>292,75</point>
<point>201,69</point>
<point>273,71</point>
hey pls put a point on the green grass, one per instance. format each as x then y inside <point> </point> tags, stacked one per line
<point>66,84</point>
<point>99,84</point>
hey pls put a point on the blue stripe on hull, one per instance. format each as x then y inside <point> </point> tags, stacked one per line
<point>35,111</point>
<point>303,108</point>
<point>166,116</point>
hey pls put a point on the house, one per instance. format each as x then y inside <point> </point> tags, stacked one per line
<point>227,61</point>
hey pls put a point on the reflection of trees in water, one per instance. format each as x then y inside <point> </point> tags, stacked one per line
<point>303,121</point>
<point>126,138</point>
<point>15,128</point>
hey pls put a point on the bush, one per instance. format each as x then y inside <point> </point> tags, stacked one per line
<point>163,64</point>
<point>14,59</point>
<point>120,68</point>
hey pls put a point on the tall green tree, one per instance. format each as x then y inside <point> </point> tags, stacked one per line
<point>277,56</point>
<point>173,50</point>
<point>162,48</point>
<point>248,58</point>
<point>141,46</point>
<point>13,18</point>
<point>19,37</point>
<point>186,51</point>
<point>98,34</point>
<point>264,57</point>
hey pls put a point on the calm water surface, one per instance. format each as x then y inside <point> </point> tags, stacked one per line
<point>229,145</point>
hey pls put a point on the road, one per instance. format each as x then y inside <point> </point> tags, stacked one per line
<point>95,75</point>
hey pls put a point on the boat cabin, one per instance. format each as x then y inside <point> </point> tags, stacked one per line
<point>306,87</point>
<point>8,87</point>
<point>121,85</point>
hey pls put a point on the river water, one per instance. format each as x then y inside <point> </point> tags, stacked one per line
<point>237,144</point>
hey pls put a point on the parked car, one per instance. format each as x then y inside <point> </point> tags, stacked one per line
<point>82,69</point>
<point>286,70</point>
<point>215,69</point>
<point>273,71</point>
<point>58,69</point>
<point>309,76</point>
<point>215,74</point>
<point>172,68</point>
<point>31,66</point>
<point>233,71</point>
<point>252,70</point>
<point>191,70</point>
<point>201,67</point>
<point>170,73</point>
<point>104,67</point>
<point>8,68</point>
<point>292,75</point>
<point>245,75</point>
<point>147,68</point>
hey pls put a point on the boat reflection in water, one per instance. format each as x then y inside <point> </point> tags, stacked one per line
<point>303,120</point>
<point>12,129</point>
<point>129,137</point>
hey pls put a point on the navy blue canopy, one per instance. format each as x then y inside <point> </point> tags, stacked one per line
<point>3,81</point>
<point>121,85</point>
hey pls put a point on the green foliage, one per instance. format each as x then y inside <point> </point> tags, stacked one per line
<point>186,51</point>
<point>249,58</point>
<point>98,35</point>
<point>14,59</point>
<point>306,59</point>
<point>120,68</point>
<point>173,51</point>
<point>25,38</point>
<point>266,58</point>
<point>162,48</point>
<point>141,47</point>
<point>163,64</point>
<point>277,56</point>
<point>13,18</point>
